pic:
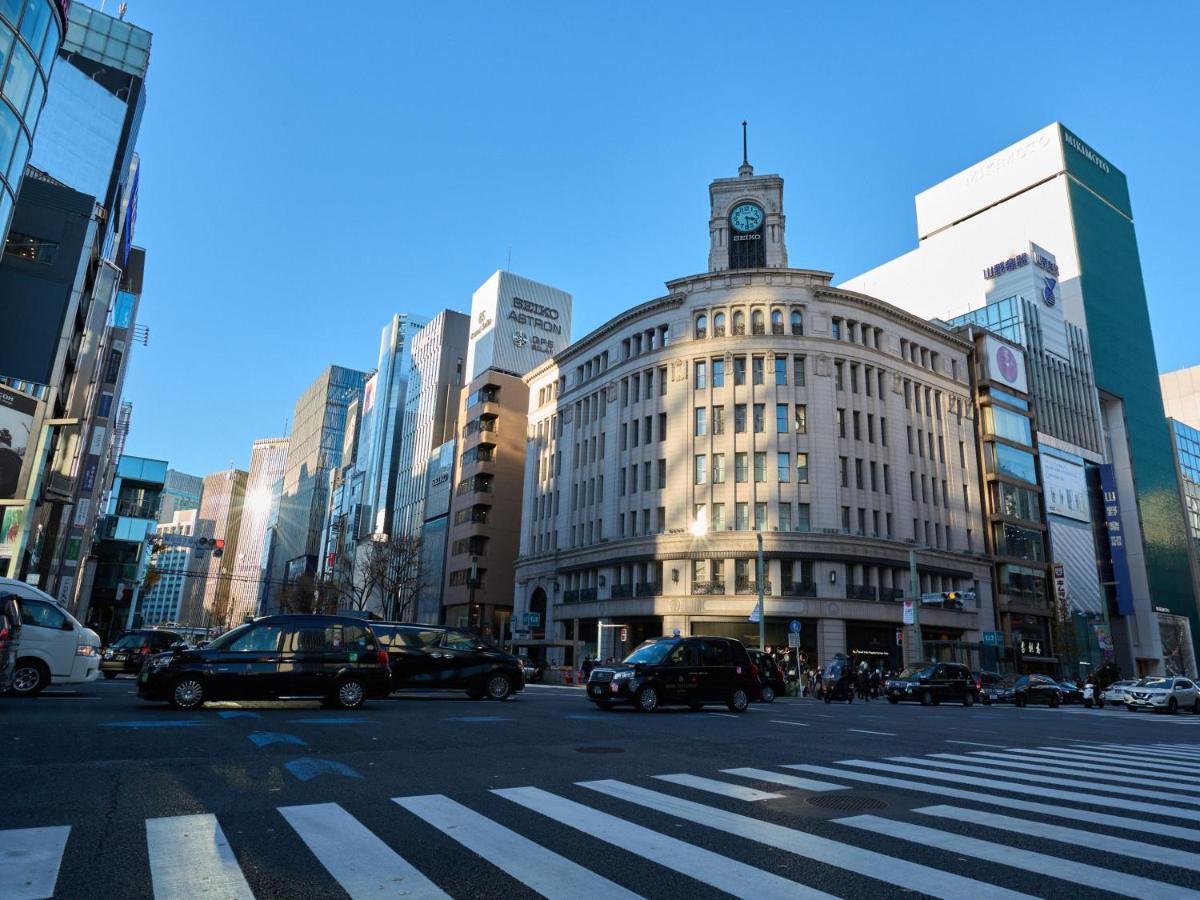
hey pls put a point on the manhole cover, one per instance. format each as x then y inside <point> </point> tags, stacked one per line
<point>599,750</point>
<point>845,802</point>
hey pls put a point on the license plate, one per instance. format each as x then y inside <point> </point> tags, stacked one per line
<point>119,657</point>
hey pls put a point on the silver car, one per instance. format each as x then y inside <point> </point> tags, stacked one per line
<point>1115,692</point>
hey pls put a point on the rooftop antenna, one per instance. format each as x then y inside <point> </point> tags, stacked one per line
<point>508,265</point>
<point>745,170</point>
<point>121,10</point>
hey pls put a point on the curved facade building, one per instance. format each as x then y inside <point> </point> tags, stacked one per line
<point>754,400</point>
<point>30,34</point>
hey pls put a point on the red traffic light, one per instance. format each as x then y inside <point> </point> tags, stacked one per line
<point>219,543</point>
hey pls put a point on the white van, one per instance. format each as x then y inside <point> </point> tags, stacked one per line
<point>54,648</point>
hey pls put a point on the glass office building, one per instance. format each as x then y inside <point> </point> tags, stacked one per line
<point>30,32</point>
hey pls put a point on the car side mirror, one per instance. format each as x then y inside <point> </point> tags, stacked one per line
<point>67,626</point>
<point>178,645</point>
<point>481,646</point>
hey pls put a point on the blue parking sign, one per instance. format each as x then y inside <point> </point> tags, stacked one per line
<point>794,626</point>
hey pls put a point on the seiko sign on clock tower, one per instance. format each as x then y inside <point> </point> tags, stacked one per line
<point>746,225</point>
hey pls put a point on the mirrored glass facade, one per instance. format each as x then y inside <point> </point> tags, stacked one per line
<point>30,31</point>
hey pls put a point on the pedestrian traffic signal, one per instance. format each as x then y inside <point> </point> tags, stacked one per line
<point>218,547</point>
<point>624,635</point>
<point>899,637</point>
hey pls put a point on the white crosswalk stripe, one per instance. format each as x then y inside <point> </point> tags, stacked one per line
<point>1084,807</point>
<point>191,860</point>
<point>360,862</point>
<point>549,874</point>
<point>1054,867</point>
<point>29,861</point>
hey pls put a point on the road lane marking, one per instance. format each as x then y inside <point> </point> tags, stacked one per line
<point>864,731</point>
<point>1155,809</point>
<point>721,872</point>
<point>786,722</point>
<point>889,869</point>
<point>724,789</point>
<point>725,715</point>
<point>306,768</point>
<point>551,875</point>
<point>1026,860</point>
<point>1094,840</point>
<point>792,781</point>
<point>477,719</point>
<point>332,720</point>
<point>359,861</point>
<point>975,744</point>
<point>190,859</point>
<point>29,861</point>
<point>150,723</point>
<point>1091,817</point>
<point>1003,761</point>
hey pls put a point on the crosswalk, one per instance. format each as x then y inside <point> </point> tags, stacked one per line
<point>1184,719</point>
<point>1015,822</point>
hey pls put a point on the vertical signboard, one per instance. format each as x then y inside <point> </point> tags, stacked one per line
<point>1061,603</point>
<point>1116,540</point>
<point>16,428</point>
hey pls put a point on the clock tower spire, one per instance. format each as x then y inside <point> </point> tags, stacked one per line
<point>745,226</point>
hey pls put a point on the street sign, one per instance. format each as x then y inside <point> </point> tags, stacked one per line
<point>794,626</point>
<point>994,638</point>
<point>908,612</point>
<point>533,619</point>
<point>793,641</point>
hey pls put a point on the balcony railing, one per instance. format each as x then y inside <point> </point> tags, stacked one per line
<point>579,595</point>
<point>797,329</point>
<point>759,328</point>
<point>649,589</point>
<point>887,594</point>
<point>571,596</point>
<point>621,591</point>
<point>718,331</point>
<point>739,329</point>
<point>800,589</point>
<point>708,587</point>
<point>138,509</point>
<point>776,328</point>
<point>860,592</point>
<point>748,586</point>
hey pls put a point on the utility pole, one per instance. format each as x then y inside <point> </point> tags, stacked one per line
<point>762,612</point>
<point>914,589</point>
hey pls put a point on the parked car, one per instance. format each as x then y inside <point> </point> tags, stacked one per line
<point>932,682</point>
<point>1115,692</point>
<point>772,678</point>
<point>1163,695</point>
<point>1071,692</point>
<point>681,671</point>
<point>127,653</point>
<point>1035,689</point>
<point>334,658</point>
<point>992,687</point>
<point>433,658</point>
<point>53,648</point>
<point>532,670</point>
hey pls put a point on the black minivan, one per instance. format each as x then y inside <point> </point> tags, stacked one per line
<point>435,658</point>
<point>681,671</point>
<point>334,658</point>
<point>932,682</point>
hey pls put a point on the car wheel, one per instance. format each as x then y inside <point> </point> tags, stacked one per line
<point>1055,700</point>
<point>1172,706</point>
<point>349,694</point>
<point>968,699</point>
<point>498,686</point>
<point>30,678</point>
<point>893,699</point>
<point>109,676</point>
<point>1020,701</point>
<point>1131,708</point>
<point>926,698</point>
<point>768,694</point>
<point>646,700</point>
<point>738,700</point>
<point>187,693</point>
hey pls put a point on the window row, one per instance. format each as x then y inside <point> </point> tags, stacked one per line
<point>750,517</point>
<point>644,427</point>
<point>857,419</point>
<point>758,368</point>
<point>640,385</point>
<point>788,417</point>
<point>627,478</point>
<point>758,323</point>
<point>708,468</point>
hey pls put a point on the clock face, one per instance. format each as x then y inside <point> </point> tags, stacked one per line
<point>746,217</point>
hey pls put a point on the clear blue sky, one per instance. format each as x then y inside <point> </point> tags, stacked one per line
<point>308,168</point>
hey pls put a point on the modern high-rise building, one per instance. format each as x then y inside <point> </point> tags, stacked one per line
<point>754,403</point>
<point>1178,654</point>
<point>30,35</point>
<point>180,493</point>
<point>1181,395</point>
<point>209,598</point>
<point>268,457</point>
<point>171,562</point>
<point>314,454</point>
<point>1054,190</point>
<point>439,353</point>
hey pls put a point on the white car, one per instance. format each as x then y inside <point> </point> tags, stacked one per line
<point>1115,692</point>
<point>53,647</point>
<point>1159,693</point>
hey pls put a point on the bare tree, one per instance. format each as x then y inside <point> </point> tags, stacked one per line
<point>307,595</point>
<point>401,574</point>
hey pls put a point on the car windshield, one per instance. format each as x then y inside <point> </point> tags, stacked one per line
<point>916,671</point>
<point>1158,684</point>
<point>651,653</point>
<point>128,641</point>
<point>229,637</point>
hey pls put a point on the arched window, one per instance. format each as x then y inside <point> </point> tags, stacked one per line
<point>797,322</point>
<point>739,322</point>
<point>719,325</point>
<point>776,322</point>
<point>757,322</point>
<point>701,326</point>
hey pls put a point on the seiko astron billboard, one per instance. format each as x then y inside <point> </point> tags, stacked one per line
<point>516,325</point>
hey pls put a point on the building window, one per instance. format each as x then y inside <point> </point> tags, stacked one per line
<point>662,426</point>
<point>783,468</point>
<point>758,322</point>
<point>838,379</point>
<point>662,475</point>
<point>718,373</point>
<point>857,425</point>
<point>739,418</point>
<point>802,468</point>
<point>836,329</point>
<point>780,371</point>
<point>758,369</point>
<point>760,414</point>
<point>844,471</point>
<point>797,322</point>
<point>718,468</point>
<point>841,423</point>
<point>741,517</point>
<point>701,421</point>
<point>760,517</point>
<point>785,520</point>
<point>801,419</point>
<point>739,323</point>
<point>701,369</point>
<point>718,517</point>
<point>798,371</point>
<point>781,417</point>
<point>739,371</point>
<point>739,468</point>
<point>701,469</point>
<point>718,420</point>
<point>760,467</point>
<point>776,321</point>
<point>701,326</point>
<point>719,325</point>
<point>858,474</point>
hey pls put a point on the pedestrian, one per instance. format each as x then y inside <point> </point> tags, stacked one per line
<point>587,667</point>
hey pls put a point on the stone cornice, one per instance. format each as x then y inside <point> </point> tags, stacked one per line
<point>882,306</point>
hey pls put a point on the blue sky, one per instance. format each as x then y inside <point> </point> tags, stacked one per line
<point>309,168</point>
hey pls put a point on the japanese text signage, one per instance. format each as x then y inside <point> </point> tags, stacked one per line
<point>1116,540</point>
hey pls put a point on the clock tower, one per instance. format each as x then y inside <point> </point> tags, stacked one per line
<point>745,227</point>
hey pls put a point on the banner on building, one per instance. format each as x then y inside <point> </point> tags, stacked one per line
<point>17,412</point>
<point>1116,540</point>
<point>1065,485</point>
<point>1004,364</point>
<point>1062,604</point>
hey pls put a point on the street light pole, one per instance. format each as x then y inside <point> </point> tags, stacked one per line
<point>914,587</point>
<point>762,612</point>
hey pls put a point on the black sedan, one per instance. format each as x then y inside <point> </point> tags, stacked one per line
<point>774,682</point>
<point>1036,689</point>
<point>128,652</point>
<point>1071,692</point>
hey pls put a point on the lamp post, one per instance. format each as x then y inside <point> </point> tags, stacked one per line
<point>762,613</point>
<point>914,587</point>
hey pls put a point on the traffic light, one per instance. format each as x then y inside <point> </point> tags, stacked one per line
<point>624,635</point>
<point>219,547</point>
<point>899,637</point>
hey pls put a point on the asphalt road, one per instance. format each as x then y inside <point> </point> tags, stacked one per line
<point>102,795</point>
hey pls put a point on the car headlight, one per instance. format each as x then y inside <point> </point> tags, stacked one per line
<point>157,662</point>
<point>85,650</point>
